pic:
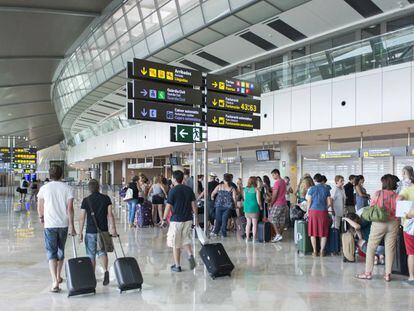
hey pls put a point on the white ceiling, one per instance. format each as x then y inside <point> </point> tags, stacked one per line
<point>35,36</point>
<point>222,39</point>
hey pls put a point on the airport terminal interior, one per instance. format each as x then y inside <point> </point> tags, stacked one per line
<point>269,142</point>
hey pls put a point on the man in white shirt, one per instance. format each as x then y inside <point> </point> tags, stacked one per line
<point>55,209</point>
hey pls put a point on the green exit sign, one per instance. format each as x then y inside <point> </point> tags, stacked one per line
<point>188,134</point>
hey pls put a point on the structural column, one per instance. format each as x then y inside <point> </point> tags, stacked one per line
<point>289,161</point>
<point>124,171</point>
<point>116,172</point>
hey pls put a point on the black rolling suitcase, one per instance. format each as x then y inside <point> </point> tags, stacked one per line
<point>264,232</point>
<point>400,265</point>
<point>127,272</point>
<point>214,256</point>
<point>80,275</point>
<point>216,260</point>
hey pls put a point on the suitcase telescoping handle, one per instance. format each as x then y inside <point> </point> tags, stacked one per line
<point>74,246</point>
<point>120,244</point>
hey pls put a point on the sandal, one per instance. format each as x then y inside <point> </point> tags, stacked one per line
<point>55,290</point>
<point>314,255</point>
<point>322,254</point>
<point>364,276</point>
<point>60,280</point>
<point>387,277</point>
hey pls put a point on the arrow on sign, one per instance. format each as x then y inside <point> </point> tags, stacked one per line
<point>144,71</point>
<point>214,84</point>
<point>144,92</point>
<point>144,112</point>
<point>214,102</point>
<point>183,133</point>
<point>214,119</point>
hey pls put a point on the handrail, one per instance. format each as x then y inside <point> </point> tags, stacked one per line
<point>375,52</point>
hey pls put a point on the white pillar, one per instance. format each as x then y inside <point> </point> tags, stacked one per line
<point>289,161</point>
<point>124,171</point>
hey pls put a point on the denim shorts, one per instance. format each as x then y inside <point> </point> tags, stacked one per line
<point>55,240</point>
<point>91,244</point>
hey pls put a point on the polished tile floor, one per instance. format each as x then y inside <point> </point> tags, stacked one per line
<point>267,276</point>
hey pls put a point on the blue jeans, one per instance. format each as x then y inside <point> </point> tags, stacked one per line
<point>132,206</point>
<point>222,216</point>
<point>55,240</point>
<point>91,241</point>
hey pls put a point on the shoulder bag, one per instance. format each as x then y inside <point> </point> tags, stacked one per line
<point>376,213</point>
<point>105,242</point>
<point>409,226</point>
<point>129,195</point>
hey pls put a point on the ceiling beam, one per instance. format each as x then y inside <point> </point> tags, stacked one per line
<point>26,84</point>
<point>33,57</point>
<point>28,117</point>
<point>32,129</point>
<point>26,103</point>
<point>26,9</point>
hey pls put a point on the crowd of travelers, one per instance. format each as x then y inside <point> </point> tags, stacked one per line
<point>233,206</point>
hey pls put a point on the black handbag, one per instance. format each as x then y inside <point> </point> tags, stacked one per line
<point>105,242</point>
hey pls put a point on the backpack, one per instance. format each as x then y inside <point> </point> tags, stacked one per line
<point>224,199</point>
<point>25,184</point>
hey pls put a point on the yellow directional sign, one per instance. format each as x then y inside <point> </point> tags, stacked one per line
<point>234,120</point>
<point>234,86</point>
<point>142,69</point>
<point>230,102</point>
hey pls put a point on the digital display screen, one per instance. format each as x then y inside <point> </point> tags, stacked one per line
<point>263,155</point>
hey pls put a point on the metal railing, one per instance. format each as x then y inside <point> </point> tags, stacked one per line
<point>384,50</point>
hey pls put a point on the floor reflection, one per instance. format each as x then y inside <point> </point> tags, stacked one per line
<point>267,276</point>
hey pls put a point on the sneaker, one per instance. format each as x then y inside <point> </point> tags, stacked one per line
<point>174,268</point>
<point>212,234</point>
<point>277,238</point>
<point>192,262</point>
<point>409,282</point>
<point>106,278</point>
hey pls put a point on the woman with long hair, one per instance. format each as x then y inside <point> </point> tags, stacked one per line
<point>361,195</point>
<point>388,230</point>
<point>252,206</point>
<point>225,199</point>
<point>132,204</point>
<point>157,194</point>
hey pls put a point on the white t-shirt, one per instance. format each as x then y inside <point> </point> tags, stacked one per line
<point>339,198</point>
<point>56,195</point>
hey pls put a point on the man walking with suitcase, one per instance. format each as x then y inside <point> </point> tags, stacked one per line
<point>55,209</point>
<point>181,200</point>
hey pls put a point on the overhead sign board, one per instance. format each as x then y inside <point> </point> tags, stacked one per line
<point>143,69</point>
<point>233,120</point>
<point>5,155</point>
<point>186,134</point>
<point>339,154</point>
<point>229,102</point>
<point>384,152</point>
<point>163,92</point>
<point>24,155</point>
<point>410,151</point>
<point>223,84</point>
<point>161,112</point>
